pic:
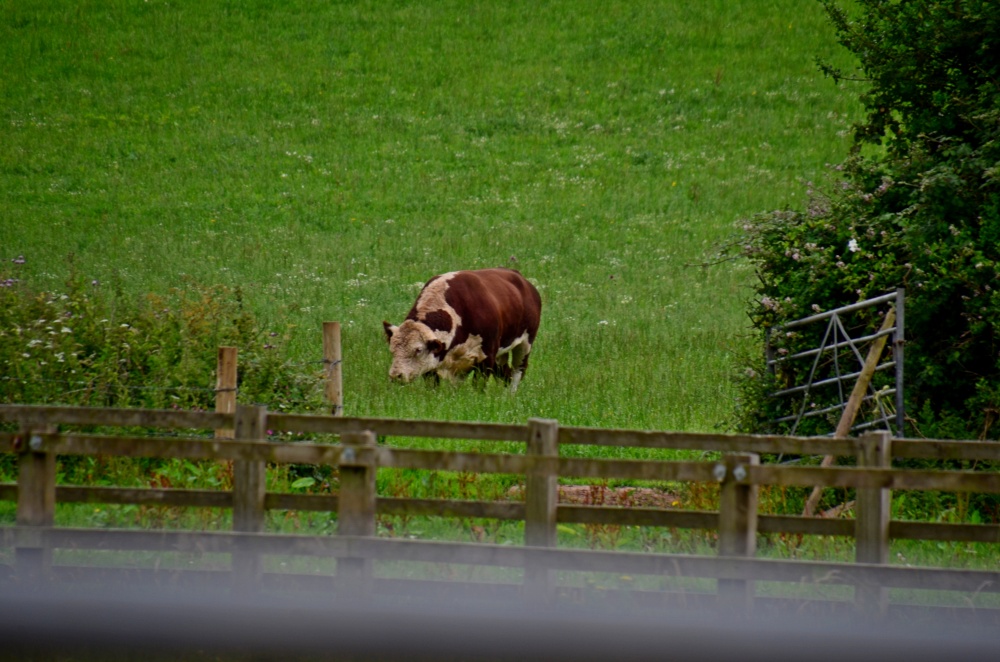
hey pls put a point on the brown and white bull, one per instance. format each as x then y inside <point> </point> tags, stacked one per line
<point>483,320</point>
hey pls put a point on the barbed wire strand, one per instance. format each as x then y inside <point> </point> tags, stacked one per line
<point>132,387</point>
<point>88,385</point>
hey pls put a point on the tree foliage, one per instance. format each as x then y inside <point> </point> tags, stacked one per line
<point>915,204</point>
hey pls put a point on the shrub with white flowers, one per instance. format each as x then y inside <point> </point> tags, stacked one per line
<point>91,345</point>
<point>915,205</point>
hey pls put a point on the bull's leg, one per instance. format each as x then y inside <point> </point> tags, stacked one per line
<point>502,368</point>
<point>483,370</point>
<point>518,364</point>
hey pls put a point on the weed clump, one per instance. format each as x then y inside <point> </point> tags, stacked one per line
<point>90,345</point>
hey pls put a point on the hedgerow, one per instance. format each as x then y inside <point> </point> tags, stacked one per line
<point>88,344</point>
<point>916,204</point>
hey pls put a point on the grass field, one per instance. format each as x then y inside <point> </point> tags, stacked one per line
<point>328,158</point>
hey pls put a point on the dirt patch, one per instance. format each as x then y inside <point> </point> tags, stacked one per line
<point>599,495</point>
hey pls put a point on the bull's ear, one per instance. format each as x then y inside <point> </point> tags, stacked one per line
<point>435,346</point>
<point>390,330</point>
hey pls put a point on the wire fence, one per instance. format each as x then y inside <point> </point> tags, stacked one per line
<point>297,385</point>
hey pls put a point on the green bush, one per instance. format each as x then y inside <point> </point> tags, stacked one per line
<point>89,345</point>
<point>916,204</point>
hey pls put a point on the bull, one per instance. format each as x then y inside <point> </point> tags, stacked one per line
<point>482,321</point>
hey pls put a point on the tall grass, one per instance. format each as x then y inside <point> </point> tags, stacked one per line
<point>329,157</point>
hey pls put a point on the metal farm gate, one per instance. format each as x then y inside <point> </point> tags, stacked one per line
<point>838,360</point>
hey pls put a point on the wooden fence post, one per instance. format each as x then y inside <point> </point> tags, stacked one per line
<point>871,524</point>
<point>332,360</point>
<point>356,514</point>
<point>541,496</point>
<point>225,386</point>
<point>737,529</point>
<point>36,500</point>
<point>249,487</point>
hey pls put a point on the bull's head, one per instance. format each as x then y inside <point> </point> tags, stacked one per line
<point>415,350</point>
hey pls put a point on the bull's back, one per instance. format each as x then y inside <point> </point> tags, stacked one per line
<point>495,302</point>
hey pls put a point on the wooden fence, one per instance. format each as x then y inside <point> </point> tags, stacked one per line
<point>357,456</point>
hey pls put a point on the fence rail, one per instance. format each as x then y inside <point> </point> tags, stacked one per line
<point>357,456</point>
<point>35,416</point>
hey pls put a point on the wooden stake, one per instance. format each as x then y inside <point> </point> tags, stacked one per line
<point>225,387</point>
<point>332,359</point>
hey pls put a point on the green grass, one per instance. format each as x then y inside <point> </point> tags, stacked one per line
<point>327,159</point>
